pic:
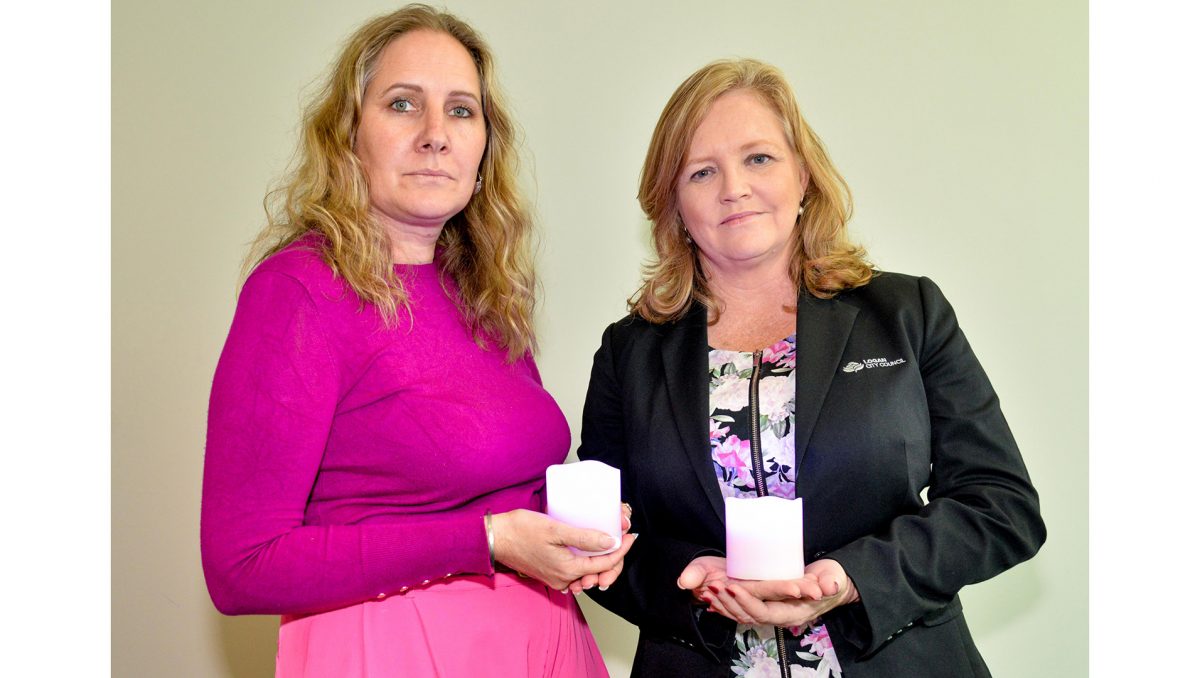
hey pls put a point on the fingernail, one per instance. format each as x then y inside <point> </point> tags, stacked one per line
<point>603,588</point>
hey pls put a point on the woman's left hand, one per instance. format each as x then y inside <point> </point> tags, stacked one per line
<point>783,603</point>
<point>606,578</point>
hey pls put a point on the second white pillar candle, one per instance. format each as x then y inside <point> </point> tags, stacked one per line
<point>586,494</point>
<point>764,538</point>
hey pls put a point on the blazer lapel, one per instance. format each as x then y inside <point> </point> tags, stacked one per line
<point>822,329</point>
<point>685,363</point>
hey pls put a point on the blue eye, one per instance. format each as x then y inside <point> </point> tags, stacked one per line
<point>461,112</point>
<point>759,159</point>
<point>702,174</point>
<point>402,105</point>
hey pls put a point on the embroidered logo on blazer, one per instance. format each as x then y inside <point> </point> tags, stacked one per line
<point>871,363</point>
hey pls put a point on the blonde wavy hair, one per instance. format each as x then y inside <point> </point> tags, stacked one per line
<point>823,261</point>
<point>485,249</point>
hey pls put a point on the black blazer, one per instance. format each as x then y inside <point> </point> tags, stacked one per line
<point>890,400</point>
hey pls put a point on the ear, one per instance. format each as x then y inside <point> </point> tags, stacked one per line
<point>804,177</point>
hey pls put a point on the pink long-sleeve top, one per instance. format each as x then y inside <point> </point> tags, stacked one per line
<point>347,460</point>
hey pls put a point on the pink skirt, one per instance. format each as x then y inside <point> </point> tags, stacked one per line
<point>506,627</point>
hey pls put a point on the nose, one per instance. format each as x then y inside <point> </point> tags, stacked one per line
<point>433,137</point>
<point>734,186</point>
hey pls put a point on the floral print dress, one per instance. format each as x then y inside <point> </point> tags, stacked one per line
<point>753,396</point>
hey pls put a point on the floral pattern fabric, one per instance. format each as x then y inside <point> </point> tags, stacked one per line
<point>807,650</point>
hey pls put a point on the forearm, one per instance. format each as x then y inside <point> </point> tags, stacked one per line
<point>922,561</point>
<point>310,569</point>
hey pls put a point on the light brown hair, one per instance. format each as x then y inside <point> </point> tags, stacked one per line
<point>823,261</point>
<point>485,248</point>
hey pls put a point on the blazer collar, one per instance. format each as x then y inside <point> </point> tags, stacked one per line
<point>685,363</point>
<point>822,330</point>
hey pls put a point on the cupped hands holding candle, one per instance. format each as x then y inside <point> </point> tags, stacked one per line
<point>787,602</point>
<point>538,546</point>
<point>763,579</point>
<point>582,540</point>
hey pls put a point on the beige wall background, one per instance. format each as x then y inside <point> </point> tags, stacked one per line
<point>960,126</point>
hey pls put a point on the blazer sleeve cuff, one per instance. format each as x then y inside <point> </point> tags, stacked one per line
<point>708,632</point>
<point>647,596</point>
<point>880,613</point>
<point>864,626</point>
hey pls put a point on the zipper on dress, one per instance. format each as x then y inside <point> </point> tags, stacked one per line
<point>760,488</point>
<point>785,670</point>
<point>756,460</point>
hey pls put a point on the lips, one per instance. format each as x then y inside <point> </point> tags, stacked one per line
<point>431,173</point>
<point>735,219</point>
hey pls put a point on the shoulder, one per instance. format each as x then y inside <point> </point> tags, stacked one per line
<point>632,344</point>
<point>631,328</point>
<point>619,336</point>
<point>894,304</point>
<point>300,260</point>
<point>300,265</point>
<point>898,302</point>
<point>636,330</point>
<point>885,286</point>
<point>891,292</point>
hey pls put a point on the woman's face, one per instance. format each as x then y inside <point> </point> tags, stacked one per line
<point>422,132</point>
<point>741,184</point>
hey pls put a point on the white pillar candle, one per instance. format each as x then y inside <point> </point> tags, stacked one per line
<point>764,538</point>
<point>586,494</point>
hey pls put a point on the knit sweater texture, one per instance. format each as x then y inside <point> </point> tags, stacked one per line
<point>345,459</point>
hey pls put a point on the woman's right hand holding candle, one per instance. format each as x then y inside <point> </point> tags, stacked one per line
<point>536,545</point>
<point>792,602</point>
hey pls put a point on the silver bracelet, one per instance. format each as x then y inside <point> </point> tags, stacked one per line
<point>491,539</point>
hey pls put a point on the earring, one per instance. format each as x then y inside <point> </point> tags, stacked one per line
<point>687,235</point>
<point>801,212</point>
<point>478,184</point>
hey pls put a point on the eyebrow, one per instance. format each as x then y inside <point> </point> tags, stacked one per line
<point>744,147</point>
<point>417,88</point>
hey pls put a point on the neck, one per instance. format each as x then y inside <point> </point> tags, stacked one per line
<point>412,243</point>
<point>403,253</point>
<point>762,286</point>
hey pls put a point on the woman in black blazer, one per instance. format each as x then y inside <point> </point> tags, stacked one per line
<point>764,355</point>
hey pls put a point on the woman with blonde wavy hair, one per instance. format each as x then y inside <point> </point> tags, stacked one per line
<point>763,356</point>
<point>378,433</point>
